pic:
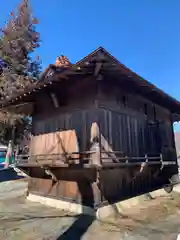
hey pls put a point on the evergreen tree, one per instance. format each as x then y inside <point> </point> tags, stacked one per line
<point>19,40</point>
<point>10,121</point>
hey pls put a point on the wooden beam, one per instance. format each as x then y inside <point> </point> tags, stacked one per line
<point>50,173</point>
<point>22,108</point>
<point>99,63</point>
<point>97,68</point>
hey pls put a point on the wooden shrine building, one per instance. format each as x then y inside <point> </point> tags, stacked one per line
<point>101,133</point>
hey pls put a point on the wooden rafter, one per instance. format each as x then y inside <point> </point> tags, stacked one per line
<point>99,63</point>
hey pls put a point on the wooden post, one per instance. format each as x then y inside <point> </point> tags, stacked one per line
<point>17,153</point>
<point>96,156</point>
<point>144,164</point>
<point>10,150</point>
<point>13,140</point>
<point>161,160</point>
<point>8,154</point>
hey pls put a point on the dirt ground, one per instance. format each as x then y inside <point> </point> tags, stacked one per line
<point>22,219</point>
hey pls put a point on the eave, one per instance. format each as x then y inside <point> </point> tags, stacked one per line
<point>100,61</point>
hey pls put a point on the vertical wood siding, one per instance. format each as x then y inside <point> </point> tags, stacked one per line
<point>125,133</point>
<point>80,121</point>
<point>127,122</point>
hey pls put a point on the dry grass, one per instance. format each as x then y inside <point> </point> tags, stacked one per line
<point>145,214</point>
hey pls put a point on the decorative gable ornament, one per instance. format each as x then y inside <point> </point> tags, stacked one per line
<point>62,61</point>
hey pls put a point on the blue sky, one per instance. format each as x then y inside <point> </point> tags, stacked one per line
<point>144,35</point>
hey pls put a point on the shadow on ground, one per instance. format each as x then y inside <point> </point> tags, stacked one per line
<point>8,174</point>
<point>78,228</point>
<point>82,222</point>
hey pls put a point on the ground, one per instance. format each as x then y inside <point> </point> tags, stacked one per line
<point>22,219</point>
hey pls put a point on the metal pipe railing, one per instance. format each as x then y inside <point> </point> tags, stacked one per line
<point>82,158</point>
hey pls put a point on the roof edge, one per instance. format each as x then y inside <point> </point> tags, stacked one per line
<point>122,67</point>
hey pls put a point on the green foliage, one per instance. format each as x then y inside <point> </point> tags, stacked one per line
<point>20,123</point>
<point>18,41</point>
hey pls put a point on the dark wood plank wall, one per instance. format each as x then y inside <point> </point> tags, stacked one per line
<point>75,185</point>
<point>123,132</point>
<point>134,125</point>
<point>125,120</point>
<point>79,119</point>
<point>76,112</point>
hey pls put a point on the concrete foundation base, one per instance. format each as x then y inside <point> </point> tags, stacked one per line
<point>101,212</point>
<point>177,188</point>
<point>61,204</point>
